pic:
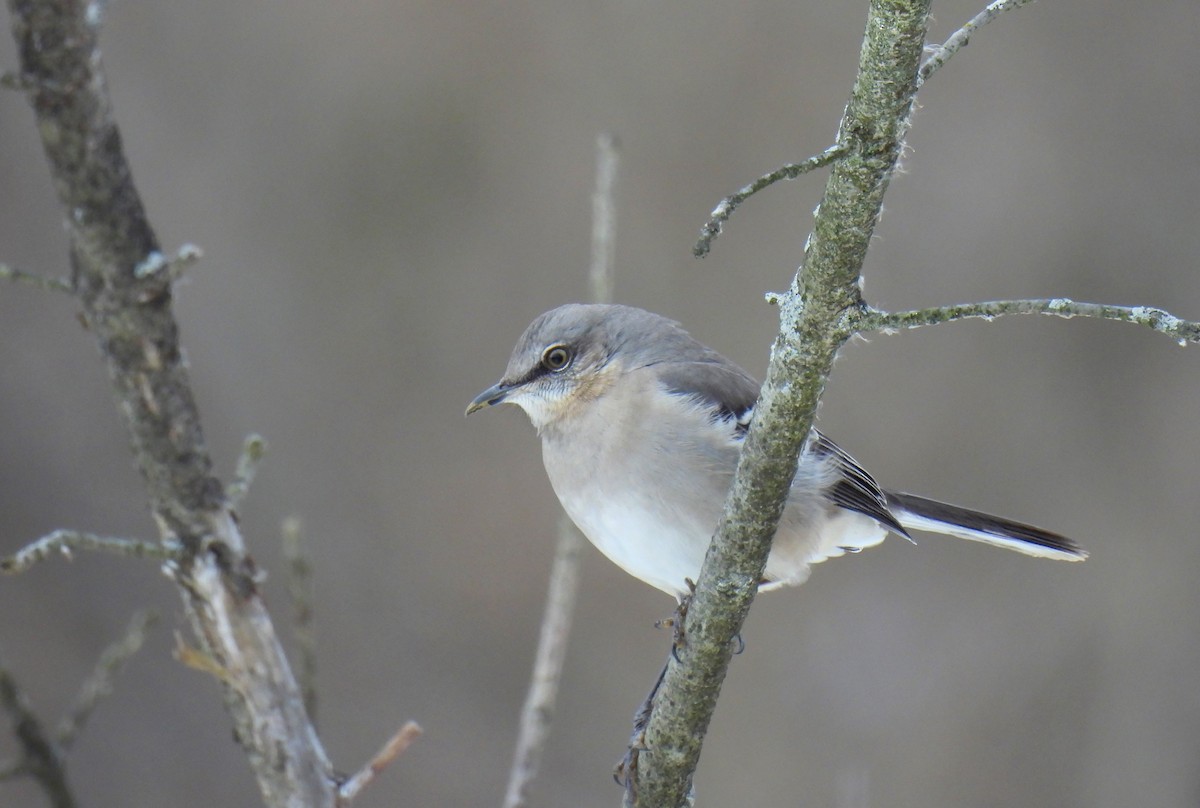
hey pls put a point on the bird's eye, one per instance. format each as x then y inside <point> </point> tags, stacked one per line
<point>556,358</point>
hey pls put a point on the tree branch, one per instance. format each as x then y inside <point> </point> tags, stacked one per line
<point>44,757</point>
<point>64,541</point>
<point>41,757</point>
<point>542,696</point>
<point>1182,331</point>
<point>725,208</point>
<point>962,37</point>
<point>34,280</point>
<point>394,748</point>
<point>812,328</point>
<point>540,700</point>
<point>100,684</point>
<point>300,592</point>
<point>126,301</point>
<point>604,219</point>
<point>939,55</point>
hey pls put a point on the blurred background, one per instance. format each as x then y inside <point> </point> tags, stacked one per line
<point>386,193</point>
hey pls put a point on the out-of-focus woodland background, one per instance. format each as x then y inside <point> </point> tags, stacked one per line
<point>386,193</point>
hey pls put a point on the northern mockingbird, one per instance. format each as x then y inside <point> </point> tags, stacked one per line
<point>641,427</point>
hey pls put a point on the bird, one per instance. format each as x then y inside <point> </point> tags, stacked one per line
<point>641,427</point>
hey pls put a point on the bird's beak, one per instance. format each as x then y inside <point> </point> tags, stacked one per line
<point>493,395</point>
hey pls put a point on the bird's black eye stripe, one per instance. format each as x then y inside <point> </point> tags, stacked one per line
<point>557,358</point>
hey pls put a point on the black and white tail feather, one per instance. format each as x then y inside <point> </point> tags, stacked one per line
<point>919,513</point>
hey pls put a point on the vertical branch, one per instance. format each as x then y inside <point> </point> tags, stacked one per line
<point>814,317</point>
<point>540,700</point>
<point>300,592</point>
<point>604,220</point>
<point>123,283</point>
<point>542,696</point>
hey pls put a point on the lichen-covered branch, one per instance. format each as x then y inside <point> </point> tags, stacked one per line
<point>34,280</point>
<point>63,542</point>
<point>812,327</point>
<point>938,57</point>
<point>1182,331</point>
<point>962,37</point>
<point>123,284</point>
<point>725,208</point>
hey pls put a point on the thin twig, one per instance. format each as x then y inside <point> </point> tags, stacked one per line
<point>34,280</point>
<point>44,757</point>
<point>391,750</point>
<point>538,710</point>
<point>41,757</point>
<point>100,683</point>
<point>724,209</point>
<point>1182,331</point>
<point>253,449</point>
<point>65,541</point>
<point>604,222</point>
<point>960,38</point>
<point>300,590</point>
<point>939,56</point>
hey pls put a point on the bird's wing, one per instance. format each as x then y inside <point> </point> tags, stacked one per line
<point>731,393</point>
<point>855,489</point>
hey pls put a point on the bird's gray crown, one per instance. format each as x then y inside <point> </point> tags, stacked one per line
<point>597,334</point>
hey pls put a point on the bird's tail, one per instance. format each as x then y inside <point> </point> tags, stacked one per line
<point>919,513</point>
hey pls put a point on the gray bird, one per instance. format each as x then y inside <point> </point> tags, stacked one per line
<point>641,426</point>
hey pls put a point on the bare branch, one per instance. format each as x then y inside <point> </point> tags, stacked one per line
<point>1182,331</point>
<point>126,293</point>
<point>540,701</point>
<point>34,280</point>
<point>100,684</point>
<point>300,590</point>
<point>391,750</point>
<point>542,696</point>
<point>604,219</point>
<point>41,758</point>
<point>962,37</point>
<point>725,208</point>
<point>254,447</point>
<point>64,541</point>
<point>812,329</point>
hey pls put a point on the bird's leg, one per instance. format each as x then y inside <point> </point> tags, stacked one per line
<point>676,621</point>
